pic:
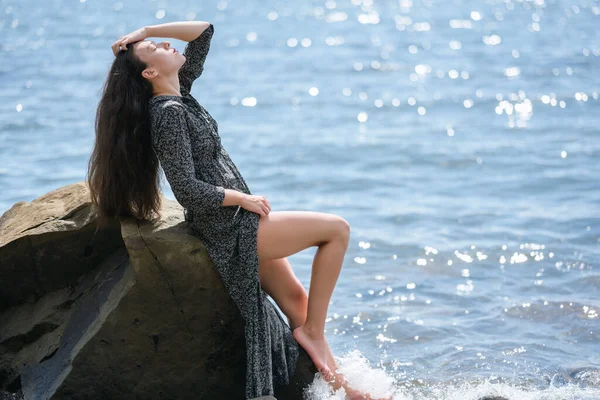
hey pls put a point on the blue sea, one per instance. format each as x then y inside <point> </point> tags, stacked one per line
<point>460,139</point>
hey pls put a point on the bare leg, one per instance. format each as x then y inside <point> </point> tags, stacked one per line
<point>325,271</point>
<point>278,280</point>
<point>284,233</point>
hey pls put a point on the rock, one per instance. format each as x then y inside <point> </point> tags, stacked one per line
<point>44,248</point>
<point>11,396</point>
<point>137,312</point>
<point>44,245</point>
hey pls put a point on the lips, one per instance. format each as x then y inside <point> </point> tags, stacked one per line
<point>174,51</point>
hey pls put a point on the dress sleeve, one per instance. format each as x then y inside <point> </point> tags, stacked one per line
<point>172,145</point>
<point>195,53</point>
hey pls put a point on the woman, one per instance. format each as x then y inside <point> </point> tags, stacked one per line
<point>148,116</point>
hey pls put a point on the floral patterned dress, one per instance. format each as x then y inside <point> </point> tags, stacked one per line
<point>198,168</point>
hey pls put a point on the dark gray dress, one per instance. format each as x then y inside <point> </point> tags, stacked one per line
<point>186,140</point>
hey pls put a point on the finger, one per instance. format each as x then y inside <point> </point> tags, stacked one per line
<point>117,47</point>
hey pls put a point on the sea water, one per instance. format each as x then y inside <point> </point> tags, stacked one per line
<point>460,139</point>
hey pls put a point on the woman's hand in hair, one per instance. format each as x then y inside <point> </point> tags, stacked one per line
<point>256,204</point>
<point>138,34</point>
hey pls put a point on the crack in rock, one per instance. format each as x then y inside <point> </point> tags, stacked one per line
<point>171,288</point>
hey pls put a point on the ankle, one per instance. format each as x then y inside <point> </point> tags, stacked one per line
<point>313,331</point>
<point>296,322</point>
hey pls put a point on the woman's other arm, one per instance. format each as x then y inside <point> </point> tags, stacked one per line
<point>172,145</point>
<point>173,148</point>
<point>233,197</point>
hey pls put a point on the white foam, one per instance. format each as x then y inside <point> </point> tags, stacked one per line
<point>360,375</point>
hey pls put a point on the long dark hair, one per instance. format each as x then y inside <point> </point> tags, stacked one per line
<point>123,170</point>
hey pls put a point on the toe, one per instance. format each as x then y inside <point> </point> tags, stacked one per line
<point>326,373</point>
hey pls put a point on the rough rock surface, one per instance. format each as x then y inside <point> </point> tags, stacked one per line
<point>135,311</point>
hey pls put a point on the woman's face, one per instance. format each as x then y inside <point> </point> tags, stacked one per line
<point>161,58</point>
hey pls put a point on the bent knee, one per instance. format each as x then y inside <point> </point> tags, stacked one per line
<point>298,296</point>
<point>342,228</point>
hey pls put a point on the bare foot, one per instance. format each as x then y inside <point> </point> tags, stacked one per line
<point>316,349</point>
<point>338,380</point>
<point>354,394</point>
<point>330,359</point>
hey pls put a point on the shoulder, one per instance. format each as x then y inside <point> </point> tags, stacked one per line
<point>165,109</point>
<point>168,120</point>
<point>165,104</point>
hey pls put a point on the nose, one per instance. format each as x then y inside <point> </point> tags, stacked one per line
<point>167,44</point>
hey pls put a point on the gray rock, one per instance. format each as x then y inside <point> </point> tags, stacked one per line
<point>45,249</point>
<point>44,245</point>
<point>140,312</point>
<point>11,396</point>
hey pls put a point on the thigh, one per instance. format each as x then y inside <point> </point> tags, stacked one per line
<point>278,280</point>
<point>284,233</point>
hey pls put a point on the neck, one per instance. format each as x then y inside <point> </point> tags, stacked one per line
<point>169,87</point>
<point>165,94</point>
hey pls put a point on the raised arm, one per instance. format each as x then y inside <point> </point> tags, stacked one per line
<point>172,145</point>
<point>198,34</point>
<point>182,30</point>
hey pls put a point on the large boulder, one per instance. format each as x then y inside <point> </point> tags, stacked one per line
<point>133,311</point>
